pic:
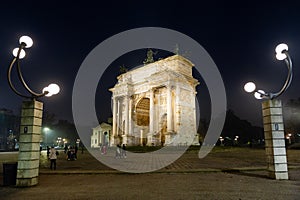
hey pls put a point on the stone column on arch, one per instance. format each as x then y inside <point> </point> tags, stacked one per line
<point>126,125</point>
<point>151,118</point>
<point>196,135</point>
<point>170,122</point>
<point>130,122</point>
<point>114,121</point>
<point>177,117</point>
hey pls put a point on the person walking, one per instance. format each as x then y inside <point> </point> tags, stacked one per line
<point>53,156</point>
<point>118,151</point>
<point>66,149</point>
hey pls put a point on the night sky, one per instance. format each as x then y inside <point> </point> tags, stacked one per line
<point>239,36</point>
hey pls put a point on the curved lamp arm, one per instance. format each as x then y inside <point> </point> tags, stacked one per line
<point>289,78</point>
<point>17,59</point>
<point>9,79</point>
<point>281,54</point>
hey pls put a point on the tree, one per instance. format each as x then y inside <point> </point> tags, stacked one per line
<point>202,129</point>
<point>234,126</point>
<point>49,119</point>
<point>291,114</point>
<point>65,129</point>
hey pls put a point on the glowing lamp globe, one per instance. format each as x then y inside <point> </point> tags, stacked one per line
<point>259,94</point>
<point>249,87</point>
<point>279,51</point>
<point>27,40</point>
<point>22,53</point>
<point>52,89</point>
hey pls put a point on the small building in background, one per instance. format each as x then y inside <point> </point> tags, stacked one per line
<point>101,135</point>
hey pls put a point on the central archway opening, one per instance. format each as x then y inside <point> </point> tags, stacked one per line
<point>142,112</point>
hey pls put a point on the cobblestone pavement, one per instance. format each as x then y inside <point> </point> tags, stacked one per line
<point>235,173</point>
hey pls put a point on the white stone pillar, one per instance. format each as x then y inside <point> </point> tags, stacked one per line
<point>126,101</point>
<point>196,138</point>
<point>177,116</point>
<point>274,139</point>
<point>141,137</point>
<point>151,119</point>
<point>130,122</point>
<point>170,122</point>
<point>126,125</point>
<point>169,110</point>
<point>118,117</point>
<point>114,121</point>
<point>29,150</point>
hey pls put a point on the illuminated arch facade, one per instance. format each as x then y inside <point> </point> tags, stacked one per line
<point>155,104</point>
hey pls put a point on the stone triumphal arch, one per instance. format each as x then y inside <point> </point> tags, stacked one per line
<point>155,104</point>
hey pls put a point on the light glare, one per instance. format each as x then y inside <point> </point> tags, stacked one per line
<point>249,87</point>
<point>22,53</point>
<point>52,89</point>
<point>279,51</point>
<point>281,56</point>
<point>27,40</point>
<point>259,94</point>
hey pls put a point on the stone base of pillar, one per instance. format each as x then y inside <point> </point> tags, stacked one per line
<point>150,141</point>
<point>277,161</point>
<point>274,139</point>
<point>26,182</point>
<point>29,150</point>
<point>124,139</point>
<point>196,140</point>
<point>127,139</point>
<point>279,175</point>
<point>117,140</point>
<point>112,141</point>
<point>168,139</point>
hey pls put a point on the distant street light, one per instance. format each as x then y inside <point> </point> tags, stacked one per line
<point>289,137</point>
<point>273,120</point>
<point>46,130</point>
<point>31,119</point>
<point>58,141</point>
<point>221,140</point>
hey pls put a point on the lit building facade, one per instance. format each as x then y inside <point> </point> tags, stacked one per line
<point>101,135</point>
<point>155,104</point>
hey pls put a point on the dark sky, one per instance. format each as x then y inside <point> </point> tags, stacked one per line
<point>240,37</point>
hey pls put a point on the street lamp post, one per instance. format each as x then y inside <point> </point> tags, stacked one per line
<point>221,140</point>
<point>46,130</point>
<point>273,119</point>
<point>31,120</point>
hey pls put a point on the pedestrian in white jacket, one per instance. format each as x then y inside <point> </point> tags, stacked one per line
<point>53,156</point>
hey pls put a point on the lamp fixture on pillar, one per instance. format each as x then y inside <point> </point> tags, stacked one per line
<point>281,54</point>
<point>19,53</point>
<point>31,120</point>
<point>273,120</point>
